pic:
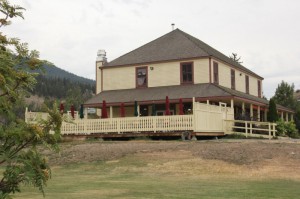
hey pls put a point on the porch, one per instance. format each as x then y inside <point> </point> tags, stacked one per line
<point>205,120</point>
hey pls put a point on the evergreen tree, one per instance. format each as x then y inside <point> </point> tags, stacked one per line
<point>284,95</point>
<point>235,58</point>
<point>272,113</point>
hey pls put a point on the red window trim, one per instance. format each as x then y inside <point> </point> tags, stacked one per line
<point>259,88</point>
<point>136,77</point>
<point>181,77</point>
<point>232,79</point>
<point>216,66</point>
<point>247,83</point>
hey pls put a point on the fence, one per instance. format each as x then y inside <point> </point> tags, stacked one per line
<point>205,118</point>
<point>250,128</point>
<point>130,124</point>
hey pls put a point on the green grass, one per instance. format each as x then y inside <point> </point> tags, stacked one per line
<point>130,177</point>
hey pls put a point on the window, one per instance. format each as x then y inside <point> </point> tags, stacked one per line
<point>247,83</point>
<point>259,88</point>
<point>232,79</point>
<point>142,77</point>
<point>187,73</point>
<point>216,73</point>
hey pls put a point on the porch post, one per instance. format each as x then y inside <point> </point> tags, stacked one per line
<point>292,117</point>
<point>207,101</point>
<point>266,115</point>
<point>243,108</point>
<point>282,115</point>
<point>111,112</point>
<point>251,111</point>
<point>85,113</point>
<point>231,103</point>
<point>138,110</point>
<point>287,116</point>
<point>258,113</point>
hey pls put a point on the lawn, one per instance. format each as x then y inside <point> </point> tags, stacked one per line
<point>148,176</point>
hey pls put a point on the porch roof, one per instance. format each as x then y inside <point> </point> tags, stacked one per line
<point>206,91</point>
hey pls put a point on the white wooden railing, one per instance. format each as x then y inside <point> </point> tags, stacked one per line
<point>129,124</point>
<point>250,128</point>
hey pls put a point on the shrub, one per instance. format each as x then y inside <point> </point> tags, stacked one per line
<point>286,129</point>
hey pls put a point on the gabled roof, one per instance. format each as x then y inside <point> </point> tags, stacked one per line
<point>175,45</point>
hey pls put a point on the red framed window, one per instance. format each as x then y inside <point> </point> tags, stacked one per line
<point>247,83</point>
<point>141,77</point>
<point>233,79</point>
<point>216,73</point>
<point>259,88</point>
<point>187,73</point>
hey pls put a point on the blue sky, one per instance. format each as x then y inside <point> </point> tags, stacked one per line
<point>265,33</point>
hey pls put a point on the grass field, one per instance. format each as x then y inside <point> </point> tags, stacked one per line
<point>162,175</point>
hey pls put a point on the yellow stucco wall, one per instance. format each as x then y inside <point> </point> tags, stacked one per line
<point>118,78</point>
<point>240,82</point>
<point>166,74</point>
<point>253,89</point>
<point>160,74</point>
<point>201,71</point>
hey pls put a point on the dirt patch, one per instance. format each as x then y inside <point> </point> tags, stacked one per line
<point>253,158</point>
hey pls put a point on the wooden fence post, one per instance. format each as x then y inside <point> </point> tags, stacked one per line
<point>246,128</point>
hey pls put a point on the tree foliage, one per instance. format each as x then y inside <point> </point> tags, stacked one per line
<point>272,113</point>
<point>20,142</point>
<point>284,95</point>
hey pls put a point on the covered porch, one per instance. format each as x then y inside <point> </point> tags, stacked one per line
<point>152,102</point>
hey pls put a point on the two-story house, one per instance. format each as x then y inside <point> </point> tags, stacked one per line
<point>179,66</point>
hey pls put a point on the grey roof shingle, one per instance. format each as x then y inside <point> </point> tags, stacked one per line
<point>157,93</point>
<point>206,90</point>
<point>174,45</point>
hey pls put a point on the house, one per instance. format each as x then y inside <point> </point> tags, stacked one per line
<point>179,66</point>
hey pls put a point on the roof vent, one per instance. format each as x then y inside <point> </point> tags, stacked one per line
<point>101,56</point>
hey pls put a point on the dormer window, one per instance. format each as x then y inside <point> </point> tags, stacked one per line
<point>142,77</point>
<point>187,73</point>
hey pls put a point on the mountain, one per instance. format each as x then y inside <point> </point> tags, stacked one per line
<point>55,72</point>
<point>55,84</point>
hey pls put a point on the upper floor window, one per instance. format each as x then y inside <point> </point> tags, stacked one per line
<point>247,83</point>
<point>259,88</point>
<point>141,77</point>
<point>233,79</point>
<point>216,73</point>
<point>187,73</point>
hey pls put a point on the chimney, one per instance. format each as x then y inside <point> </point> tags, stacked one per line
<point>101,56</point>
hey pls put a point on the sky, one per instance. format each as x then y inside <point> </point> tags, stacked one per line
<point>68,33</point>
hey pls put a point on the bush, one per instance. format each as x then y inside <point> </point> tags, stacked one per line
<point>286,129</point>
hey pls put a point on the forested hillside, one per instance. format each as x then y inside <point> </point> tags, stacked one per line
<point>55,84</point>
<point>55,72</point>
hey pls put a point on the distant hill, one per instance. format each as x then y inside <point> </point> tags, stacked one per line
<point>54,72</point>
<point>54,83</point>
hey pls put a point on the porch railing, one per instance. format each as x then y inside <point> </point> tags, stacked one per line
<point>129,124</point>
<point>250,128</point>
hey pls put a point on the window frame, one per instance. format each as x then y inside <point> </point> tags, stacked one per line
<point>247,83</point>
<point>136,77</point>
<point>259,88</point>
<point>216,72</point>
<point>232,78</point>
<point>181,73</point>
